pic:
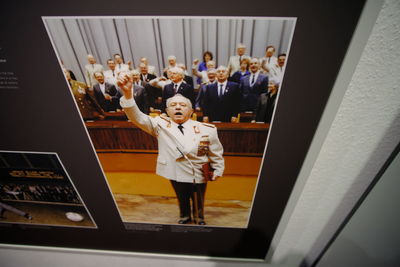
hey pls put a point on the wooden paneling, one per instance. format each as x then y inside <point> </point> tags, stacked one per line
<point>236,138</point>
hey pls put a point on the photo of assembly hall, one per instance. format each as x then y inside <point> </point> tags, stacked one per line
<point>178,109</point>
<point>35,189</point>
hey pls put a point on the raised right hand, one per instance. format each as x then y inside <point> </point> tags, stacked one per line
<point>125,83</point>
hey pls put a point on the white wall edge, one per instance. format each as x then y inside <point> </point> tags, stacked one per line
<point>359,40</point>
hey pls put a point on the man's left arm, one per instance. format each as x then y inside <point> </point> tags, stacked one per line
<point>215,155</point>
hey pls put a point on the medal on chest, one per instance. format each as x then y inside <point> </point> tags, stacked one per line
<point>203,146</point>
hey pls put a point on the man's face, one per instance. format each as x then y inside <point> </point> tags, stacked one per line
<point>254,65</point>
<point>222,75</point>
<point>281,61</point>
<point>270,52</point>
<point>118,59</point>
<point>143,69</point>
<point>111,65</point>
<point>91,60</point>
<point>175,76</point>
<point>136,77</point>
<point>179,110</point>
<point>99,78</point>
<point>172,61</point>
<point>211,76</point>
<point>241,51</point>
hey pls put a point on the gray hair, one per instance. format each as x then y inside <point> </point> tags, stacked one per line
<point>177,70</point>
<point>187,100</point>
<point>172,57</point>
<point>212,71</point>
<point>135,72</point>
<point>222,67</point>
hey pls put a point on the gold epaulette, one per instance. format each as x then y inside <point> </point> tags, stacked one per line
<point>208,125</point>
<point>165,117</point>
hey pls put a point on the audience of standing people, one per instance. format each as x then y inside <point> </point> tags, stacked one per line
<point>248,85</point>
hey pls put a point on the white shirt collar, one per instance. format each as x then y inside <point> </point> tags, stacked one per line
<point>178,84</point>
<point>223,84</point>
<point>186,124</point>
<point>255,74</point>
<point>103,87</point>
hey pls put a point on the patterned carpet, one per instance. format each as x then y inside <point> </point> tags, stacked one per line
<point>164,210</point>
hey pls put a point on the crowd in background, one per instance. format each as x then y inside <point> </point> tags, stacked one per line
<point>246,85</point>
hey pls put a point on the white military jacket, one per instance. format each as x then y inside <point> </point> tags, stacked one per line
<point>180,155</point>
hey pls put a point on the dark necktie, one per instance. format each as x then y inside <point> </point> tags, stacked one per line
<point>221,90</point>
<point>252,80</point>
<point>180,127</point>
<point>175,88</point>
<point>240,59</point>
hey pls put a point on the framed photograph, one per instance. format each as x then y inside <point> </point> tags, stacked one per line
<point>36,189</point>
<point>127,155</point>
<point>84,66</point>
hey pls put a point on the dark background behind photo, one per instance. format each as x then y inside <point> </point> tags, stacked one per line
<point>40,115</point>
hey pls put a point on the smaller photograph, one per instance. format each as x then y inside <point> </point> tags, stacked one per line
<point>36,189</point>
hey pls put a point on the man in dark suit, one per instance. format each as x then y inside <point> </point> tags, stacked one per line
<point>177,86</point>
<point>154,94</point>
<point>188,79</point>
<point>145,76</point>
<point>266,104</point>
<point>212,78</point>
<point>252,86</point>
<point>221,99</point>
<point>139,92</point>
<point>105,93</point>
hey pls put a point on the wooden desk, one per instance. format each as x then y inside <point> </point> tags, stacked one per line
<point>236,138</point>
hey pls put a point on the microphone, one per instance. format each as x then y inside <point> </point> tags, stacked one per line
<point>190,162</point>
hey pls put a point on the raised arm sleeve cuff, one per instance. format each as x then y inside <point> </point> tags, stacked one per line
<point>127,103</point>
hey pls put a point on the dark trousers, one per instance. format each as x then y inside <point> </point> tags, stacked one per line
<point>185,192</point>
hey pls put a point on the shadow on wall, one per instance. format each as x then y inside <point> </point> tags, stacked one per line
<point>353,255</point>
<point>371,169</point>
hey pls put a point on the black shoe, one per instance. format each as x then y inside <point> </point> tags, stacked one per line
<point>185,220</point>
<point>201,222</point>
<point>29,217</point>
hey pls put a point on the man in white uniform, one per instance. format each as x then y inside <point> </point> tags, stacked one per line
<point>185,148</point>
<point>278,69</point>
<point>90,69</point>
<point>111,74</point>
